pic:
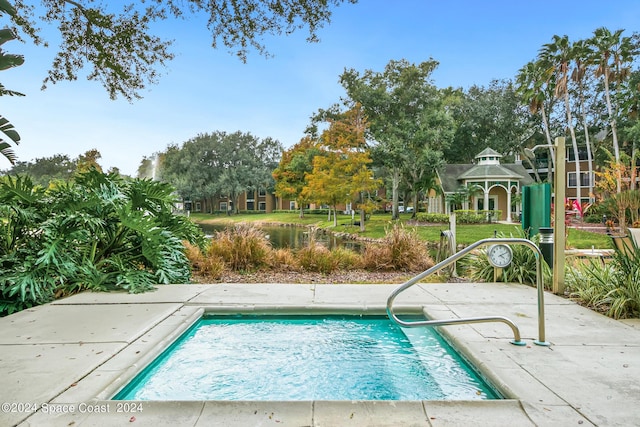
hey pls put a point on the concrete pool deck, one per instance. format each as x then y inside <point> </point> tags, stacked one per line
<point>75,353</point>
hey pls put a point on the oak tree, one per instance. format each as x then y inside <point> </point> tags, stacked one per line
<point>116,42</point>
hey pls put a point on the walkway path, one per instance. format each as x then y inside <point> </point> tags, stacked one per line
<point>74,354</point>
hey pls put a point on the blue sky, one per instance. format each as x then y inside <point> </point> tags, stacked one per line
<point>204,90</point>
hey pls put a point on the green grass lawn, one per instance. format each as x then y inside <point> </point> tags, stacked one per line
<point>377,225</point>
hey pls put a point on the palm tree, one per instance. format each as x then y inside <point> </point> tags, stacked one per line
<point>533,82</point>
<point>464,194</point>
<point>558,56</point>
<point>613,55</point>
<point>581,53</point>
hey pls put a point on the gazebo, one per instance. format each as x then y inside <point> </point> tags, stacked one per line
<point>498,183</point>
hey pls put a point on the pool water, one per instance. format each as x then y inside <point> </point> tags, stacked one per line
<point>292,358</point>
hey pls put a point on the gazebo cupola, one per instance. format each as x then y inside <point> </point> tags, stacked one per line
<point>488,157</point>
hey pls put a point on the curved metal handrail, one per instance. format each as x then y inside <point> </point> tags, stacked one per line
<point>453,258</point>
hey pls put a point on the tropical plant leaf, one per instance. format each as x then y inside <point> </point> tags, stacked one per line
<point>5,91</point>
<point>7,8</point>
<point>5,149</point>
<point>88,234</point>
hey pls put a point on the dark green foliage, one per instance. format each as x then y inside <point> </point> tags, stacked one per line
<point>219,163</point>
<point>100,232</point>
<point>476,217</point>
<point>433,218</point>
<point>114,42</point>
<point>612,288</point>
<point>42,171</point>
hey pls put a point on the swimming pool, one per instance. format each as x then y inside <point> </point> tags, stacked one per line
<point>295,358</point>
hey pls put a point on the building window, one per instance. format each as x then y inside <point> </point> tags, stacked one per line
<point>292,205</point>
<point>262,206</point>
<point>582,154</point>
<point>198,207</point>
<point>584,179</point>
<point>223,206</point>
<point>262,192</point>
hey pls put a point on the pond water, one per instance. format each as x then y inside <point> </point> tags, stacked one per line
<point>293,237</point>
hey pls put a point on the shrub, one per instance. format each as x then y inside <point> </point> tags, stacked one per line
<point>97,232</point>
<point>400,250</point>
<point>592,219</point>
<point>432,218</point>
<point>470,217</point>
<point>613,288</point>
<point>242,247</point>
<point>317,258</point>
<point>346,259</point>
<point>476,217</point>
<point>210,266</point>
<point>283,259</point>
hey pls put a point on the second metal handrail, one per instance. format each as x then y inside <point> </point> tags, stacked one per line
<point>453,258</point>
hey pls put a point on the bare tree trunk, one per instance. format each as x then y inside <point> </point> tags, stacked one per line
<point>395,184</point>
<point>614,130</point>
<point>552,167</point>
<point>576,153</point>
<point>634,168</point>
<point>532,162</point>
<point>362,212</point>
<point>589,156</point>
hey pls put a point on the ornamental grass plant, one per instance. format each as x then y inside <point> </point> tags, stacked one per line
<point>612,288</point>
<point>243,247</point>
<point>401,249</point>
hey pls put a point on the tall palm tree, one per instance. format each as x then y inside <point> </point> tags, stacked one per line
<point>533,82</point>
<point>558,55</point>
<point>581,53</point>
<point>613,55</point>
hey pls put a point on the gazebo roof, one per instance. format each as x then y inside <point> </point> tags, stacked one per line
<point>453,176</point>
<point>489,171</point>
<point>488,152</point>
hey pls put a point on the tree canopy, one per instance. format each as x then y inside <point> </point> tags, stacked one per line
<point>491,116</point>
<point>115,40</point>
<point>218,163</point>
<point>342,173</point>
<point>293,170</point>
<point>59,167</point>
<point>404,111</point>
